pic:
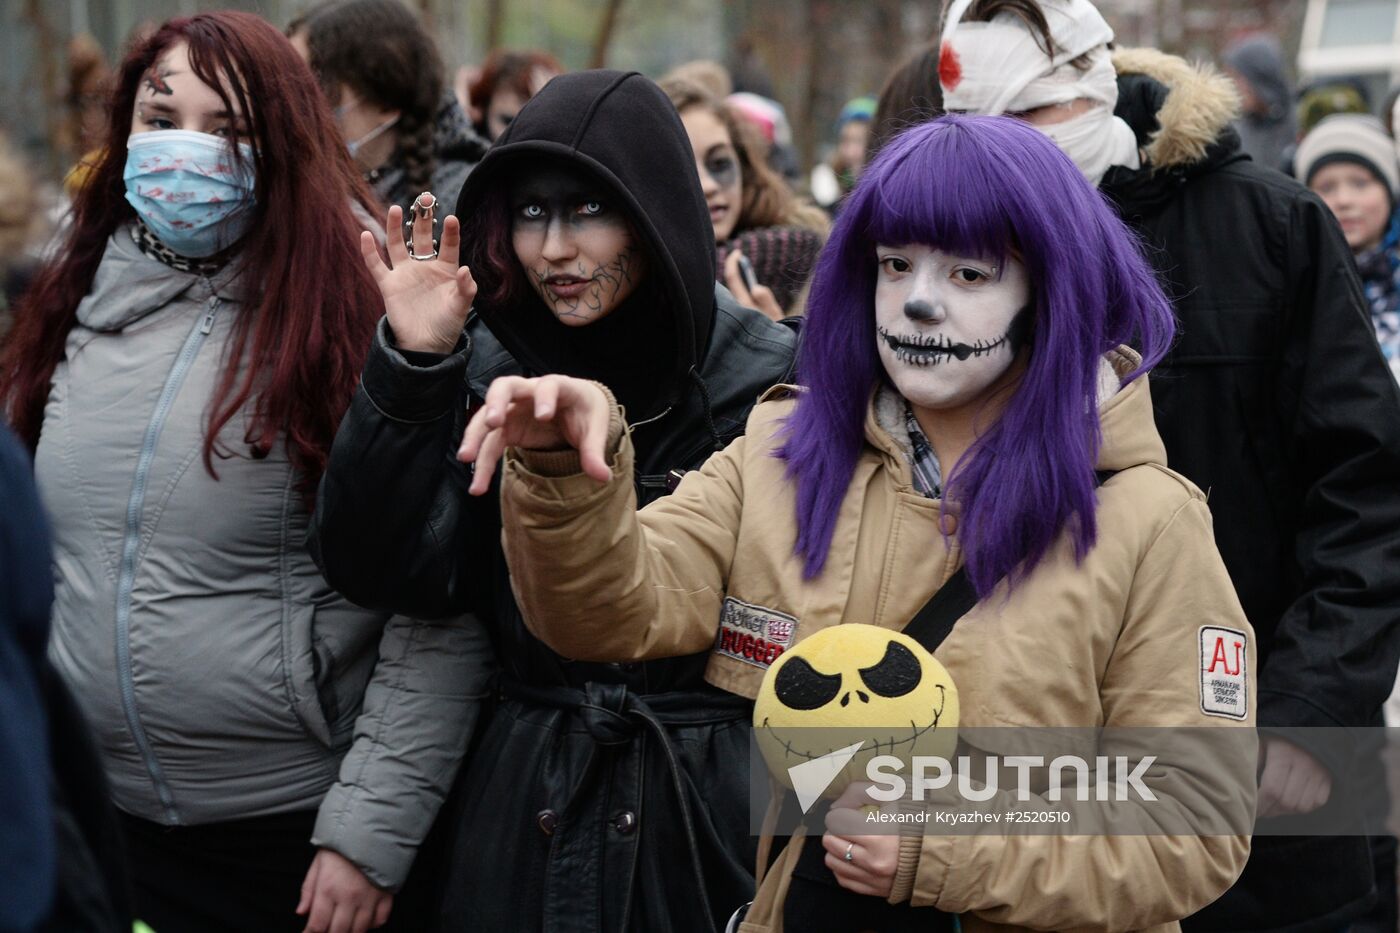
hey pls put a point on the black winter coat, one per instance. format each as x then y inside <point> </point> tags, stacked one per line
<point>600,796</point>
<point>1276,401</point>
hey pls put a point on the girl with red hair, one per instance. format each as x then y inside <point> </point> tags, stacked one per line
<point>180,371</point>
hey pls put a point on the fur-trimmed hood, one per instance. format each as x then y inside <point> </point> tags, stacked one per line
<point>1181,114</point>
<point>1199,105</point>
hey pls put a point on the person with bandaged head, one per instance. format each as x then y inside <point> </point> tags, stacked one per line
<point>1275,397</point>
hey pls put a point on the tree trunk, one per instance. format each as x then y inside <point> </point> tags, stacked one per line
<point>826,71</point>
<point>52,94</point>
<point>495,23</point>
<point>606,28</point>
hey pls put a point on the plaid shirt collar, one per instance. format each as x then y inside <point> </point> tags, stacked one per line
<point>928,475</point>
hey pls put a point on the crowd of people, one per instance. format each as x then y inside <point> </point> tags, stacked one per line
<point>394,465</point>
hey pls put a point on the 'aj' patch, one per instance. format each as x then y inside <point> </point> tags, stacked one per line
<point>753,634</point>
<point>1224,674</point>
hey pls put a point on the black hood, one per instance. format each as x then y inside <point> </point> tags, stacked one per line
<point>1144,191</point>
<point>622,129</point>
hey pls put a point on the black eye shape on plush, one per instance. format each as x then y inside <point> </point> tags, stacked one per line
<point>898,672</point>
<point>799,685</point>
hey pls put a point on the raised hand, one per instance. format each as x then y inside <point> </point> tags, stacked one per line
<point>427,300</point>
<point>546,413</point>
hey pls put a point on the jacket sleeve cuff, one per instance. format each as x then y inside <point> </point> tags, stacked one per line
<point>1282,714</point>
<point>1278,709</point>
<point>384,863</point>
<point>934,866</point>
<point>908,866</point>
<point>403,388</point>
<point>565,464</point>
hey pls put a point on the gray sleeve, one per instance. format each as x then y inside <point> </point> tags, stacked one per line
<point>420,709</point>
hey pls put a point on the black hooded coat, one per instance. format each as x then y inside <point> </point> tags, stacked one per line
<point>1277,402</point>
<point>598,796</point>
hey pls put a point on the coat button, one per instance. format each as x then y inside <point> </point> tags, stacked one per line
<point>948,524</point>
<point>547,820</point>
<point>625,822</point>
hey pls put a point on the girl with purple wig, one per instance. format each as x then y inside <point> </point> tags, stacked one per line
<point>975,404</point>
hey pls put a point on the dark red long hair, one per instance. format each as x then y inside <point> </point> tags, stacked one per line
<point>305,340</point>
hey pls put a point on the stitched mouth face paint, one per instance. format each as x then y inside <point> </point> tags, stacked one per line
<point>576,246</point>
<point>947,327</point>
<point>929,349</point>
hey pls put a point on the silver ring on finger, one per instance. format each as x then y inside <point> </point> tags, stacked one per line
<point>424,204</point>
<point>850,855</point>
<point>422,209</point>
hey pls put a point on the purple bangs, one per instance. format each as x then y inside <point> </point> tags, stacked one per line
<point>985,187</point>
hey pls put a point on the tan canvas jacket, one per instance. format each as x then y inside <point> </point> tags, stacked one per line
<point>1113,641</point>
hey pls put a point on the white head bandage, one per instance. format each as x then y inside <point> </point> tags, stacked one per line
<point>999,67</point>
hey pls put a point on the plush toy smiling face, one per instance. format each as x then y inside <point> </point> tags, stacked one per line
<point>852,683</point>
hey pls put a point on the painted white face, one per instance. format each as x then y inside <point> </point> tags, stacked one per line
<point>947,326</point>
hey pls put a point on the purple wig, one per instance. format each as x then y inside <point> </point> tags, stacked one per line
<point>986,187</point>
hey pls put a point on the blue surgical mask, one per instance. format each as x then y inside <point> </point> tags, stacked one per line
<point>189,190</point>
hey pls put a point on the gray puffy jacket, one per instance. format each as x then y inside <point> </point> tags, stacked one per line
<point>223,677</point>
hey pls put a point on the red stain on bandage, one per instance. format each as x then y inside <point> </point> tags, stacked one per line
<point>949,68</point>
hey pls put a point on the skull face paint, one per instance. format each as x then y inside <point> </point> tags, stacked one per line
<point>575,244</point>
<point>947,327</point>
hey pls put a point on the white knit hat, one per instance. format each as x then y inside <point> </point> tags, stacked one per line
<point>1349,137</point>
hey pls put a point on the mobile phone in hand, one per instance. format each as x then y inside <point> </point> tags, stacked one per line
<point>746,273</point>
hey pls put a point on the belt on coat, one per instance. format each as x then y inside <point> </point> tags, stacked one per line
<point>616,718</point>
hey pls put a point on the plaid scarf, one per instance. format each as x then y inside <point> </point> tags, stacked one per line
<point>928,475</point>
<point>1380,277</point>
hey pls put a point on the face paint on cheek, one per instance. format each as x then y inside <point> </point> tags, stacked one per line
<point>1019,334</point>
<point>615,278</point>
<point>585,293</point>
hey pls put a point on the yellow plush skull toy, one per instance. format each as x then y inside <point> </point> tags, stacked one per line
<point>854,683</point>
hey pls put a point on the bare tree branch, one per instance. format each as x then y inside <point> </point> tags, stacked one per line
<point>606,28</point>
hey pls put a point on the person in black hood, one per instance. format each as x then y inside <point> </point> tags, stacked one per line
<point>1275,399</point>
<point>599,796</point>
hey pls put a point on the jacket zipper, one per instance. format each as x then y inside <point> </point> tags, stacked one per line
<point>131,543</point>
<point>670,479</point>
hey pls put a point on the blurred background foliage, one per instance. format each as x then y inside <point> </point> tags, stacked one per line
<point>811,55</point>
